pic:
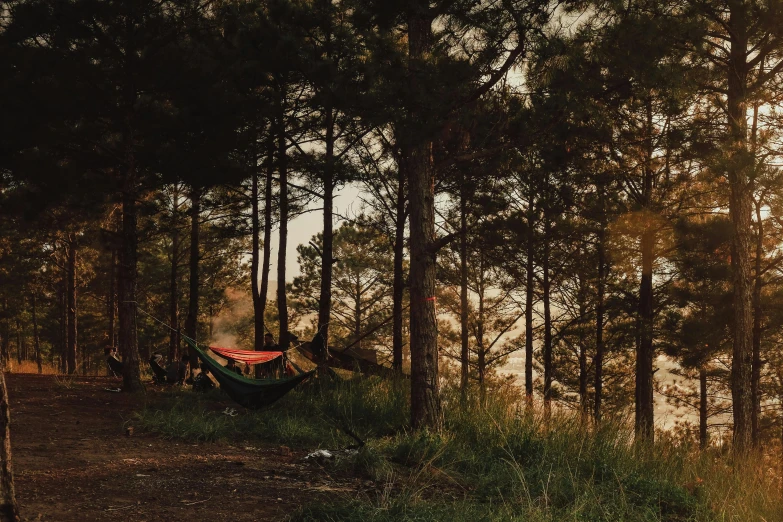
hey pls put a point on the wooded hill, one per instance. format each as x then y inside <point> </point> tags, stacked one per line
<point>606,172</point>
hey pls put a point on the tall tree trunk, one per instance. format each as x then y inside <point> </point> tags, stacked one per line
<point>282,251</point>
<point>703,437</point>
<point>111,303</point>
<point>481,359</point>
<point>599,313</point>
<point>755,390</point>
<point>644,357</point>
<point>255,267</point>
<point>72,316</point>
<point>327,253</point>
<point>191,322</point>
<point>6,341</point>
<point>36,342</point>
<point>740,210</point>
<point>63,302</point>
<point>128,274</point>
<point>9,510</point>
<point>259,307</point>
<point>546,291</point>
<point>529,298</point>
<point>417,151</point>
<point>174,277</point>
<point>129,348</point>
<point>18,342</point>
<point>463,295</point>
<point>583,403</point>
<point>398,285</point>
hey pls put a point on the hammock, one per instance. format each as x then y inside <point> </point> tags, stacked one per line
<point>246,356</point>
<point>250,393</point>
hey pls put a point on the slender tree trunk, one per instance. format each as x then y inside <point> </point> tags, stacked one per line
<point>9,510</point>
<point>599,317</point>
<point>481,359</point>
<point>327,254</point>
<point>6,341</point>
<point>755,390</point>
<point>584,406</point>
<point>740,210</point>
<point>417,151</point>
<point>18,342</point>
<point>174,277</point>
<point>463,296</point>
<point>255,267</point>
<point>63,302</point>
<point>111,304</point>
<point>191,322</point>
<point>128,274</point>
<point>644,425</point>
<point>398,285</point>
<point>72,315</point>
<point>36,342</point>
<point>282,251</point>
<point>529,298</point>
<point>644,357</point>
<point>263,294</point>
<point>703,437</point>
<point>129,348</point>
<point>546,291</point>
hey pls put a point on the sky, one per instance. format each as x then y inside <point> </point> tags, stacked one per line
<point>302,228</point>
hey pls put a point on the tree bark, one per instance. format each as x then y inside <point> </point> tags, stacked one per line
<point>18,342</point>
<point>327,253</point>
<point>63,302</point>
<point>599,323</point>
<point>282,164</point>
<point>740,210</point>
<point>6,341</point>
<point>72,315</point>
<point>583,404</point>
<point>644,358</point>
<point>546,291</point>
<point>481,359</point>
<point>398,285</point>
<point>417,151</point>
<point>529,298</point>
<point>9,510</point>
<point>703,437</point>
<point>36,341</point>
<point>259,307</point>
<point>255,267</point>
<point>191,322</point>
<point>174,277</point>
<point>129,348</point>
<point>111,303</point>
<point>755,390</point>
<point>463,296</point>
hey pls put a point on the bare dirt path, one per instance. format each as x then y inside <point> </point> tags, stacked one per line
<point>73,462</point>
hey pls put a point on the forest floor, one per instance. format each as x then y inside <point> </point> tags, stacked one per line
<point>73,461</point>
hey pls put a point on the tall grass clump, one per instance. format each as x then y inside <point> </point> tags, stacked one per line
<point>494,460</point>
<point>319,414</point>
<point>498,461</point>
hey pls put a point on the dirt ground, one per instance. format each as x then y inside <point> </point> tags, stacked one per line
<point>74,462</point>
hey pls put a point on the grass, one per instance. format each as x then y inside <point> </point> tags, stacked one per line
<point>31,367</point>
<point>493,462</point>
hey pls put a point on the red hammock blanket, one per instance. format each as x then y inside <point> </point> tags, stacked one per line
<point>245,356</point>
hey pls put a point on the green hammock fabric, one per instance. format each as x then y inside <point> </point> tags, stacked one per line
<point>250,393</point>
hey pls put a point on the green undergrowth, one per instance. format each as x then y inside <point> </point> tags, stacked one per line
<point>490,463</point>
<point>314,415</point>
